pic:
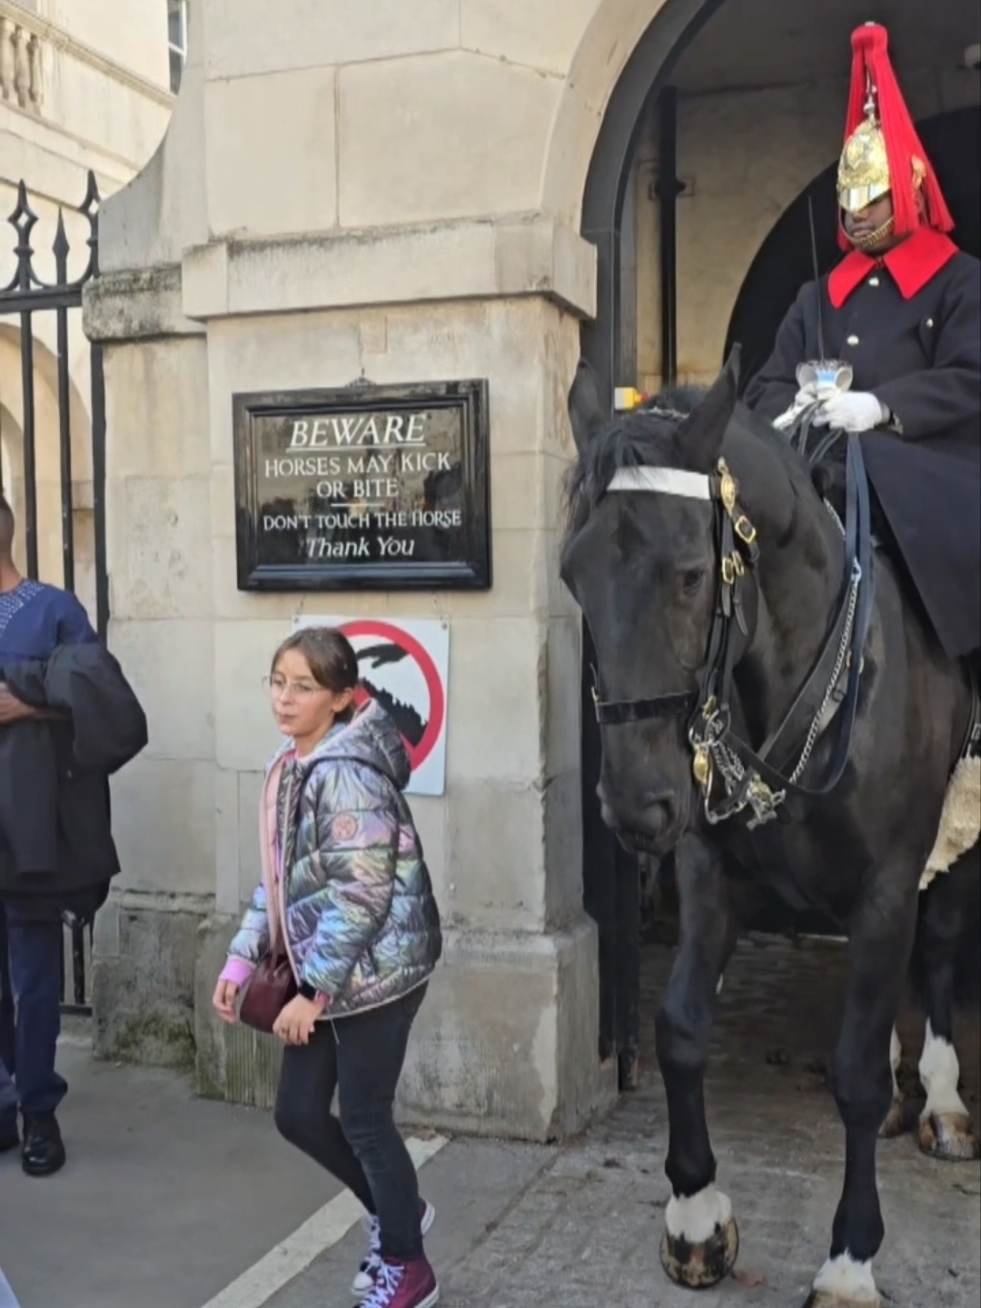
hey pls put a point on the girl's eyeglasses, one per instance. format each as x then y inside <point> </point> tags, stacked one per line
<point>280,688</point>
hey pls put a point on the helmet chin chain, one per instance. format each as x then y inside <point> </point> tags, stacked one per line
<point>870,244</point>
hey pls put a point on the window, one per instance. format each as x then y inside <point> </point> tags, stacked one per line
<point>177,40</point>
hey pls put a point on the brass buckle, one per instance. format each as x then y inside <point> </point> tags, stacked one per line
<point>728,570</point>
<point>702,768</point>
<point>744,529</point>
<point>728,490</point>
<point>737,563</point>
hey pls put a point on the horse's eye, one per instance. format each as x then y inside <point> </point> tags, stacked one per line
<point>692,579</point>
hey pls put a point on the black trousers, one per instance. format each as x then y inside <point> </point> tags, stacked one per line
<point>362,1058</point>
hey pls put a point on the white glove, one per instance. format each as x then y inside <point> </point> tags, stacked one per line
<point>805,399</point>
<point>852,411</point>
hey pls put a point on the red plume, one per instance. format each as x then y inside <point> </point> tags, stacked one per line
<point>870,62</point>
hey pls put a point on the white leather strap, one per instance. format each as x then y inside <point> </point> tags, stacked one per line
<point>666,481</point>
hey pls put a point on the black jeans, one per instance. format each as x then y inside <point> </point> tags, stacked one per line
<point>361,1057</point>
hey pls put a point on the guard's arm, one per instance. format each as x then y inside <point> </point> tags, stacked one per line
<point>948,395</point>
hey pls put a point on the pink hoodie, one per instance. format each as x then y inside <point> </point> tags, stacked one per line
<point>237,970</point>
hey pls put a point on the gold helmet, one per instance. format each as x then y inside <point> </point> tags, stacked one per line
<point>883,153</point>
<point>863,170</point>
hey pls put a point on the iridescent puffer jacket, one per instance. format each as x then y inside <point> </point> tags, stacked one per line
<point>362,926</point>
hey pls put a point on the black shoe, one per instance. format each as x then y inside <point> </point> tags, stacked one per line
<point>44,1152</point>
<point>9,1137</point>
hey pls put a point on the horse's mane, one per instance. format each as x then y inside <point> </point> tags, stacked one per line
<point>649,435</point>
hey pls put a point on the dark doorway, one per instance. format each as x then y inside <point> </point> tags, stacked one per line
<point>784,262</point>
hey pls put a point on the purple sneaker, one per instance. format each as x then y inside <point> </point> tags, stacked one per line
<point>371,1265</point>
<point>404,1285</point>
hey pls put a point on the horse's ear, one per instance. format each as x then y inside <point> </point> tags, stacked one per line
<point>700,436</point>
<point>585,410</point>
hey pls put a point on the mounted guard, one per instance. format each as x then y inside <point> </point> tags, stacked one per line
<point>899,318</point>
<point>777,704</point>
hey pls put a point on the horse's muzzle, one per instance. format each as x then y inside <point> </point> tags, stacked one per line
<point>652,825</point>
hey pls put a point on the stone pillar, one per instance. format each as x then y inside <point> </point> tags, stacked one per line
<point>340,200</point>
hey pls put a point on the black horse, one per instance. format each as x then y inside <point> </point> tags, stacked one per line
<point>744,639</point>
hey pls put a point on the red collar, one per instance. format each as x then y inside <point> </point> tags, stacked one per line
<point>913,264</point>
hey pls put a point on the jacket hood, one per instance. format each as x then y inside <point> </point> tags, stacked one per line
<point>371,737</point>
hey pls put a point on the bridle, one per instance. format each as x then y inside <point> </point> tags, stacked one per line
<point>731,775</point>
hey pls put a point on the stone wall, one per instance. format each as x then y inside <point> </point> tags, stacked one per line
<point>356,195</point>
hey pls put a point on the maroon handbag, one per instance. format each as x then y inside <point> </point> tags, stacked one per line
<point>270,988</point>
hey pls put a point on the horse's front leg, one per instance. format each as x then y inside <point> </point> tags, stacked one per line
<point>701,1240</point>
<point>880,942</point>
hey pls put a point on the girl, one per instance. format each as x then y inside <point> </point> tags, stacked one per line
<point>345,886</point>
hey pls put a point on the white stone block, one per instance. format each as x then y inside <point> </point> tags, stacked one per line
<point>506,1041</point>
<point>163,822</point>
<point>276,353</point>
<point>226,841</point>
<point>457,260</point>
<point>435,130</point>
<point>249,857</point>
<point>160,547</point>
<point>430,818</point>
<point>496,714</point>
<point>563,847</point>
<point>562,694</point>
<point>157,409</point>
<point>168,665</point>
<point>495,869</point>
<point>246,735</point>
<point>517,491</point>
<point>542,36</point>
<point>245,36</point>
<point>271,152</point>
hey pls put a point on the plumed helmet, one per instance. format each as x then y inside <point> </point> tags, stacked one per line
<point>882,151</point>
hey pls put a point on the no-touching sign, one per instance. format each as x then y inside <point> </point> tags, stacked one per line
<point>404,664</point>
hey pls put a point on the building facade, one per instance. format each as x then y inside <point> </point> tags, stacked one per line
<point>83,89</point>
<point>450,190</point>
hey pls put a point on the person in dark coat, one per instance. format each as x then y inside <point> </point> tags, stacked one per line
<point>900,317</point>
<point>68,719</point>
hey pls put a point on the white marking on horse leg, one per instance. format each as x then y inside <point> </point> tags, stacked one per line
<point>940,1073</point>
<point>843,1278</point>
<point>695,1219</point>
<point>721,983</point>
<point>895,1058</point>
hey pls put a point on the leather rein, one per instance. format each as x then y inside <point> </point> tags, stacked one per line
<point>731,775</point>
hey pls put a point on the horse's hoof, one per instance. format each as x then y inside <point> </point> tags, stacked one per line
<point>844,1283</point>
<point>821,1299</point>
<point>949,1137</point>
<point>628,1070</point>
<point>895,1123</point>
<point>698,1266</point>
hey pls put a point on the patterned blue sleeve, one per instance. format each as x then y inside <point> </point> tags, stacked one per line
<point>73,623</point>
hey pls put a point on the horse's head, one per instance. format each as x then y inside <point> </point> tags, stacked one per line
<point>644,568</point>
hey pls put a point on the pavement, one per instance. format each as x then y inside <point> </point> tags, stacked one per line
<point>171,1202</point>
